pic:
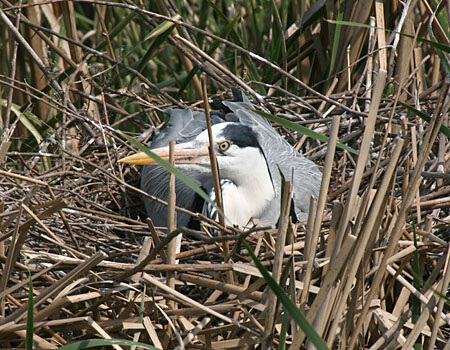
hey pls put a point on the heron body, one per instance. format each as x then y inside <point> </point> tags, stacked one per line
<point>250,155</point>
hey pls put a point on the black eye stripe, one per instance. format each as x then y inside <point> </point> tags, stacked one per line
<point>240,135</point>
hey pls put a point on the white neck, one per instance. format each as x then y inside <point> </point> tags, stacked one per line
<point>251,190</point>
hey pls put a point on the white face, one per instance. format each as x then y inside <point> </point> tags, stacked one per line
<point>202,162</point>
<point>235,162</point>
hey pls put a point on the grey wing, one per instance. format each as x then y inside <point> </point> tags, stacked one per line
<point>155,181</point>
<point>183,126</point>
<point>307,180</point>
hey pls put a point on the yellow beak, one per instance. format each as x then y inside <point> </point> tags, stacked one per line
<point>184,153</point>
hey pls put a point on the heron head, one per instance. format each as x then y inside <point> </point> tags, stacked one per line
<point>236,147</point>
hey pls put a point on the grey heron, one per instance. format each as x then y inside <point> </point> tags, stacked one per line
<point>250,155</point>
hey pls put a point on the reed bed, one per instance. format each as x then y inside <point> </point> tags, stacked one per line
<point>370,268</point>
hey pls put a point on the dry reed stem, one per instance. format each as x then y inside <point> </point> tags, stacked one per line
<point>318,218</point>
<point>333,273</point>
<point>216,178</point>
<point>173,247</point>
<point>363,239</point>
<point>310,251</point>
<point>444,287</point>
<point>271,304</point>
<point>362,159</point>
<point>56,287</point>
<point>430,136</point>
<point>185,299</point>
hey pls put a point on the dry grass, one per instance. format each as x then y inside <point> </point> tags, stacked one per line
<point>369,270</point>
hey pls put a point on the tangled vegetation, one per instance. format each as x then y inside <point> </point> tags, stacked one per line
<point>360,87</point>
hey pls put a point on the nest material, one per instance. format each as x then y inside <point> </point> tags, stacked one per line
<point>72,220</point>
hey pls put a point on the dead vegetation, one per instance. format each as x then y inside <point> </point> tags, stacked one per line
<point>370,270</point>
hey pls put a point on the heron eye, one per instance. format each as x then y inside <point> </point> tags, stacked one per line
<point>224,145</point>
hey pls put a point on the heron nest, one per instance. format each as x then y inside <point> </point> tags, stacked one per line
<point>79,260</point>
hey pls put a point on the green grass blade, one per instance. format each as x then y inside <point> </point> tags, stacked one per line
<point>163,35</point>
<point>276,45</point>
<point>444,61</point>
<point>289,306</point>
<point>204,18</point>
<point>336,39</point>
<point>162,28</point>
<point>444,129</point>
<point>26,118</point>
<point>305,131</point>
<point>160,34</point>
<point>283,332</point>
